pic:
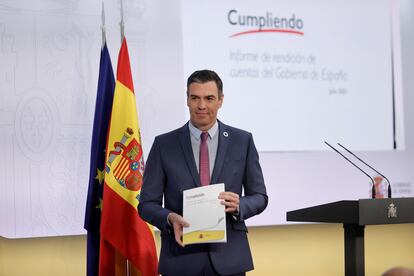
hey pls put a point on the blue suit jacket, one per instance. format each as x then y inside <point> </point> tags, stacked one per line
<point>171,169</point>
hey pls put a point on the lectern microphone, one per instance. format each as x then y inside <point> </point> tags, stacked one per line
<point>347,159</point>
<point>353,154</point>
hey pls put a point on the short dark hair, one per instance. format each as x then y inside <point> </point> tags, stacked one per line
<point>203,76</point>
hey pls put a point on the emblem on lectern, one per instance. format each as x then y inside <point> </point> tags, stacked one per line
<point>392,211</point>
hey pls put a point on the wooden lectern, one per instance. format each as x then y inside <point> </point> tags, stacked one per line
<point>354,215</point>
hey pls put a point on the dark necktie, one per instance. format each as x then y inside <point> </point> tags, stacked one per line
<point>204,161</point>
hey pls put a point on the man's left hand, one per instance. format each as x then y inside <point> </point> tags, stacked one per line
<point>231,201</point>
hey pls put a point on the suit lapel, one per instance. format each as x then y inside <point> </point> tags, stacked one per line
<point>185,142</point>
<point>223,143</point>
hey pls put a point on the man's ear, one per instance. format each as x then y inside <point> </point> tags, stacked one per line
<point>221,100</point>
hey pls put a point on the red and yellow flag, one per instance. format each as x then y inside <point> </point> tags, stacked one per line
<point>122,230</point>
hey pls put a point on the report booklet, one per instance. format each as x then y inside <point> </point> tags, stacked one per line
<point>206,216</point>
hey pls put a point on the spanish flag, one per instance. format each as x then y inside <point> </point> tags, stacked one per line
<point>122,230</point>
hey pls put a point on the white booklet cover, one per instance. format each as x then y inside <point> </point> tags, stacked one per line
<point>206,216</point>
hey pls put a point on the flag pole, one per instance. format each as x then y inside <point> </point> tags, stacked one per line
<point>103,25</point>
<point>127,264</point>
<point>122,21</point>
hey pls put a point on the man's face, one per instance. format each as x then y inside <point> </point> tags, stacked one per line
<point>203,103</point>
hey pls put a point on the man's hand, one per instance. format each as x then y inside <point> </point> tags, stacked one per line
<point>177,223</point>
<point>231,201</point>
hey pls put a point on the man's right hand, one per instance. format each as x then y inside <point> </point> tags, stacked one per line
<point>177,222</point>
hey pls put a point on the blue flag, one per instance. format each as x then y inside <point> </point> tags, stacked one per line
<point>103,108</point>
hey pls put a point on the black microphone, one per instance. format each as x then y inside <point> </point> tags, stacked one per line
<point>353,154</point>
<point>372,180</point>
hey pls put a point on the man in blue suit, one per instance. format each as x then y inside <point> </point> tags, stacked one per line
<point>173,166</point>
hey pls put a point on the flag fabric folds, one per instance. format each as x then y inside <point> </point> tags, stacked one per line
<point>103,107</point>
<point>122,229</point>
